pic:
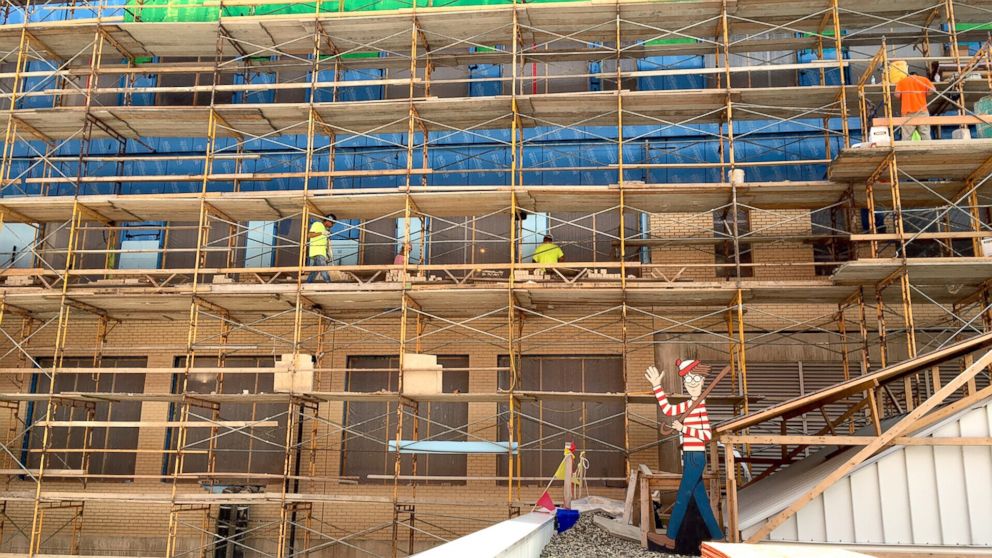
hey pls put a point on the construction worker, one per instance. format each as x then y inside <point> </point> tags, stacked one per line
<point>912,92</point>
<point>694,434</point>
<point>402,255</point>
<point>548,253</point>
<point>318,246</point>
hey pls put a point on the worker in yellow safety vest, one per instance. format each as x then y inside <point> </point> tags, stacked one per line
<point>318,246</point>
<point>548,253</point>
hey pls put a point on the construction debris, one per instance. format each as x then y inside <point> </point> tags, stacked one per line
<point>588,540</point>
<point>610,506</point>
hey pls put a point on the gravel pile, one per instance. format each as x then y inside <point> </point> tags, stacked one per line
<point>588,540</point>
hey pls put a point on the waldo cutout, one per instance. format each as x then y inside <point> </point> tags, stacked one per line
<point>694,434</point>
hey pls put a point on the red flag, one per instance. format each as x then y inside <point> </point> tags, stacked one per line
<point>546,502</point>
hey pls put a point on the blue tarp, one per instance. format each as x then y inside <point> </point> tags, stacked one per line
<point>452,447</point>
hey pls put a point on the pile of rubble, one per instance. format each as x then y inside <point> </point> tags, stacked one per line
<point>588,540</point>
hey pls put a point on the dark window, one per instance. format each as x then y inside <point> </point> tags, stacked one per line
<point>371,425</point>
<point>834,246</point>
<point>596,427</point>
<point>70,439</point>
<point>933,220</point>
<point>591,238</point>
<point>459,240</point>
<point>723,227</point>
<point>249,450</point>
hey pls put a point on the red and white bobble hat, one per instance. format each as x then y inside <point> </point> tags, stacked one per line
<point>686,366</point>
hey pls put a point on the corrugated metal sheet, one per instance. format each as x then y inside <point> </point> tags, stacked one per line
<point>916,495</point>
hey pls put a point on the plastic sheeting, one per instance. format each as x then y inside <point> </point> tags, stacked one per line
<point>196,10</point>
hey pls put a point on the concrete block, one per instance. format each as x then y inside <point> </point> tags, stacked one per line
<point>119,281</point>
<point>293,379</point>
<point>961,134</point>
<point>19,281</point>
<point>421,374</point>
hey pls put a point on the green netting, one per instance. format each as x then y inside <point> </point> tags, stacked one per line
<point>195,10</point>
<point>675,41</point>
<point>984,106</point>
<point>350,55</point>
<point>974,27</point>
<point>169,10</point>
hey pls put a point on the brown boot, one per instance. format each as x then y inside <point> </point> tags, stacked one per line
<point>662,539</point>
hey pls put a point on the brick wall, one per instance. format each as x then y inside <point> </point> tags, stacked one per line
<point>111,527</point>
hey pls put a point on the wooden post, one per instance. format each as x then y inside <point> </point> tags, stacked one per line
<point>647,511</point>
<point>970,386</point>
<point>628,502</point>
<point>732,529</point>
<point>569,464</point>
<point>875,412</point>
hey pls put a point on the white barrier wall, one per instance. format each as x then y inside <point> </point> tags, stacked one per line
<point>520,537</point>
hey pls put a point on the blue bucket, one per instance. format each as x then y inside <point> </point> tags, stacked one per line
<point>565,519</point>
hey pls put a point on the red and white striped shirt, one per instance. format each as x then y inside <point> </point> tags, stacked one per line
<point>697,425</point>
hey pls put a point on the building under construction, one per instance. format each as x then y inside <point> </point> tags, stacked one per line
<point>720,174</point>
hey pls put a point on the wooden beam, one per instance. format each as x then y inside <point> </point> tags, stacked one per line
<point>787,440</point>
<point>48,472</point>
<point>32,130</point>
<point>806,403</point>
<point>921,236</point>
<point>156,424</point>
<point>876,411</point>
<point>897,430</point>
<point>851,411</point>
<point>956,120</point>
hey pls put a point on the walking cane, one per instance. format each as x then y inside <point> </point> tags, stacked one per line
<point>666,430</point>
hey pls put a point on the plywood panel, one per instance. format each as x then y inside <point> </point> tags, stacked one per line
<point>943,159</point>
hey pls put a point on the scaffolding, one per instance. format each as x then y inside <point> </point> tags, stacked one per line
<point>82,130</point>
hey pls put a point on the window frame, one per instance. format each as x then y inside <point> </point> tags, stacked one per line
<point>34,413</point>
<point>723,251</point>
<point>455,432</point>
<point>549,456</point>
<point>276,467</point>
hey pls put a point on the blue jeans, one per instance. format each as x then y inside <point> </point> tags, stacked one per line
<point>318,261</point>
<point>691,486</point>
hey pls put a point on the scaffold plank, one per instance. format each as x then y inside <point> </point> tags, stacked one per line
<point>922,160</point>
<point>922,271</point>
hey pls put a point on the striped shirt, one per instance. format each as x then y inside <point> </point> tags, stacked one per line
<point>697,425</point>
